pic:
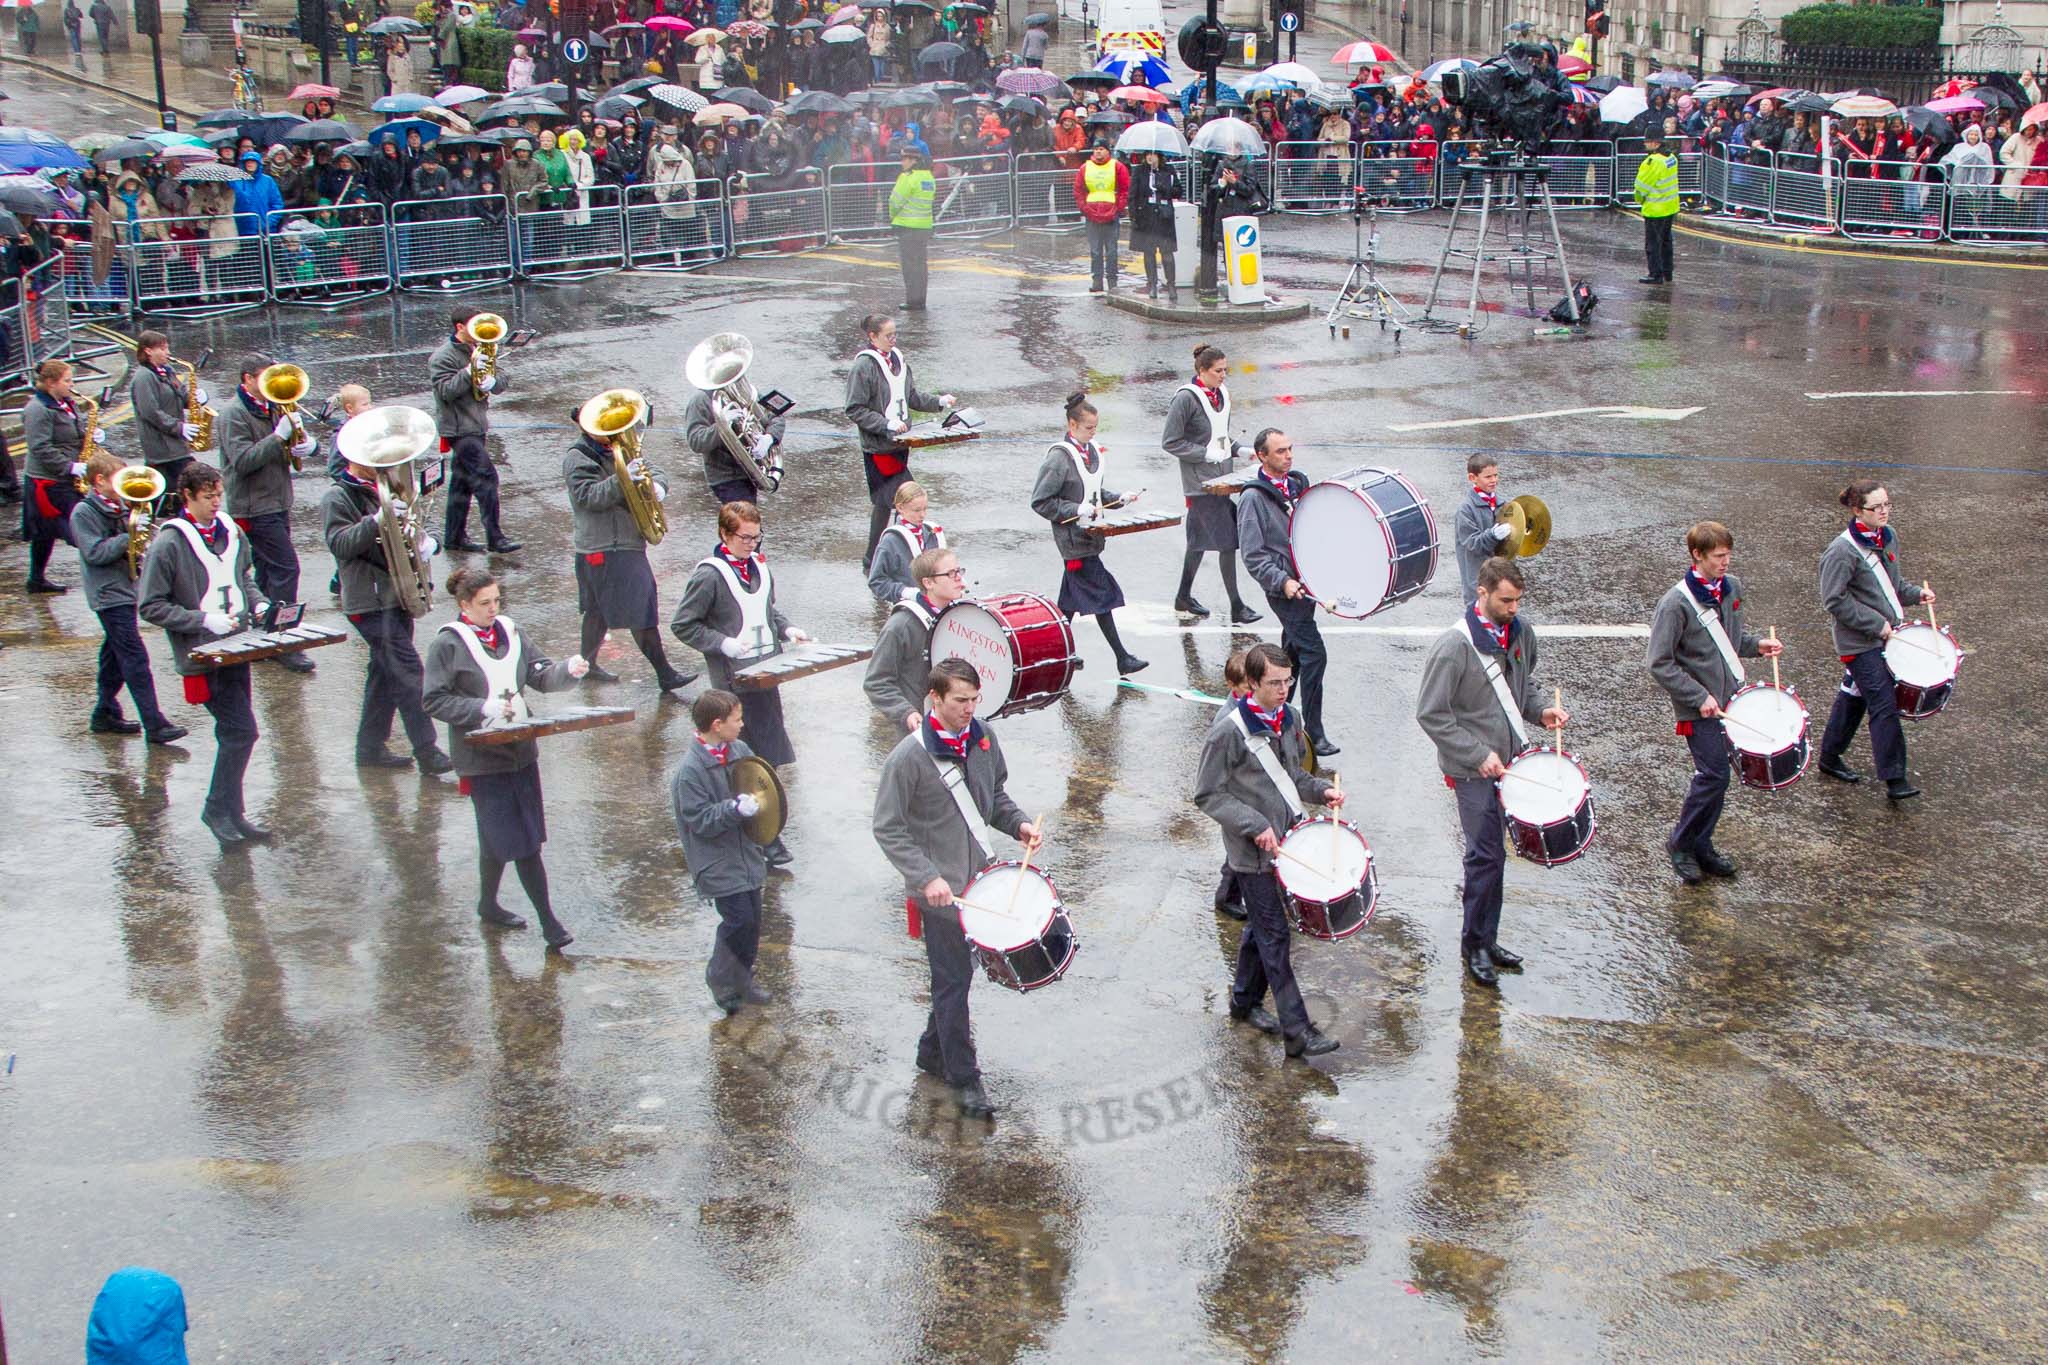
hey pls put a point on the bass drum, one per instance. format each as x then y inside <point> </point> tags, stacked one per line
<point>1019,642</point>
<point>1363,541</point>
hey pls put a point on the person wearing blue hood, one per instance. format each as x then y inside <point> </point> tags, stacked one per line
<point>256,198</point>
<point>138,1319</point>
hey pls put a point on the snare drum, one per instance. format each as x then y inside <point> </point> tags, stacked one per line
<point>1017,925</point>
<point>1328,882</point>
<point>1767,726</point>
<point>1363,541</point>
<point>1925,661</point>
<point>1020,643</point>
<point>1549,806</point>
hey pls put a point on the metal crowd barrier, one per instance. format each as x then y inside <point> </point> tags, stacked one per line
<point>976,197</point>
<point>196,273</point>
<point>776,221</point>
<point>1395,179</point>
<point>1260,173</point>
<point>679,225</point>
<point>1581,181</point>
<point>1628,159</point>
<point>1044,190</point>
<point>857,198</point>
<point>45,311</point>
<point>1802,198</point>
<point>77,272</point>
<point>450,245</point>
<point>1306,179</point>
<point>17,362</point>
<point>1998,215</point>
<point>1888,205</point>
<point>586,236</point>
<point>325,258</point>
<point>1734,187</point>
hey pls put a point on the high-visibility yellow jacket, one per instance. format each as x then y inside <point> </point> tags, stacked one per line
<point>910,202</point>
<point>1657,186</point>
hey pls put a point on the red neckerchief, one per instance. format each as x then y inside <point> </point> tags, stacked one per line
<point>63,405</point>
<point>957,743</point>
<point>931,608</point>
<point>1869,539</point>
<point>894,360</point>
<point>1702,589</point>
<point>742,567</point>
<point>111,504</point>
<point>717,752</point>
<point>1491,500</point>
<point>491,637</point>
<point>1214,396</point>
<point>215,535</point>
<point>1086,450</point>
<point>1499,633</point>
<point>1275,720</point>
<point>921,532</point>
<point>1284,487</point>
<point>257,404</point>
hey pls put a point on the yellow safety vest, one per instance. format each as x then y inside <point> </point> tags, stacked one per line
<point>1101,181</point>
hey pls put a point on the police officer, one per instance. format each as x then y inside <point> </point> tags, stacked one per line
<point>910,213</point>
<point>1657,199</point>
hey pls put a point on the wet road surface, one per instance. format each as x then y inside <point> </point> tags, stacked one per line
<point>1793,1116</point>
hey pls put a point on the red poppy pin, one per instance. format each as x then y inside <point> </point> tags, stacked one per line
<point>1736,605</point>
<point>984,743</point>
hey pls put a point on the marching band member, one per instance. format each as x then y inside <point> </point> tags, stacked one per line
<point>1475,530</point>
<point>726,866</point>
<point>196,585</point>
<point>906,537</point>
<point>477,666</point>
<point>464,418</point>
<point>1254,747</point>
<point>941,788</point>
<point>1263,512</point>
<point>162,401</point>
<point>257,446</point>
<point>728,482</point>
<point>729,613</point>
<point>1472,675</point>
<point>901,663</point>
<point>99,528</point>
<point>349,401</point>
<point>391,686</point>
<point>1696,640</point>
<point>1229,897</point>
<point>1198,435</point>
<point>881,394</point>
<point>615,586</point>
<point>1070,495</point>
<point>1863,591</point>
<point>53,429</point>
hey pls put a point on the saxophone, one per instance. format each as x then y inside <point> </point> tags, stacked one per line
<point>198,416</point>
<point>89,446</point>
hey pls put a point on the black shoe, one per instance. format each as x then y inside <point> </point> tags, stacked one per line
<point>223,828</point>
<point>730,1004</point>
<point>1325,746</point>
<point>112,723</point>
<point>169,734</point>
<point>44,585</point>
<point>1242,615</point>
<point>673,681</point>
<point>1151,289</point>
<point>1480,968</point>
<point>1172,296</point>
<point>1900,789</point>
<point>1686,866</point>
<point>1314,1043</point>
<point>295,663</point>
<point>757,994</point>
<point>1188,606</point>
<point>1649,279</point>
<point>383,758</point>
<point>464,546</point>
<point>1503,960</point>
<point>555,932</point>
<point>1713,862</point>
<point>1234,909</point>
<point>433,762</point>
<point>1258,1016</point>
<point>499,917</point>
<point>1131,663</point>
<point>253,832</point>
<point>973,1101</point>
<point>601,675</point>
<point>778,854</point>
<point>505,547</point>
<point>931,1068</point>
<point>1095,287</point>
<point>1226,891</point>
<point>1834,767</point>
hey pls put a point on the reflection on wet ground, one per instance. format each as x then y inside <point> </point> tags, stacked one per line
<point>1796,1115</point>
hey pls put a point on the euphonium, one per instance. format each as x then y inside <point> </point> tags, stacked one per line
<point>388,440</point>
<point>615,417</point>
<point>89,445</point>
<point>139,486</point>
<point>285,385</point>
<point>198,416</point>
<point>486,330</point>
<point>718,365</point>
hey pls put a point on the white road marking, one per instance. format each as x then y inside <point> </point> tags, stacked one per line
<point>1639,414</point>
<point>640,1129</point>
<point>1159,618</point>
<point>1925,393</point>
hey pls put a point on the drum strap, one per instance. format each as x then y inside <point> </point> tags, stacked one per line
<point>1884,580</point>
<point>1711,620</point>
<point>1497,675</point>
<point>1270,763</point>
<point>954,775</point>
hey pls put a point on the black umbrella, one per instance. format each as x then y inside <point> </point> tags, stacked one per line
<point>753,101</point>
<point>1810,104</point>
<point>638,85</point>
<point>807,26</point>
<point>398,24</point>
<point>322,130</point>
<point>616,106</point>
<point>553,91</point>
<point>1038,21</point>
<point>941,54</point>
<point>911,99</point>
<point>1928,124</point>
<point>358,150</point>
<point>1993,97</point>
<point>504,137</point>
<point>965,7</point>
<point>1020,104</point>
<point>21,198</point>
<point>520,107</point>
<point>1101,78</point>
<point>220,137</point>
<point>220,118</point>
<point>1603,85</point>
<point>948,89</point>
<point>10,226</point>
<point>868,99</point>
<point>139,148</point>
<point>913,4</point>
<point>1109,118</point>
<point>817,102</point>
<point>485,143</point>
<point>267,129</point>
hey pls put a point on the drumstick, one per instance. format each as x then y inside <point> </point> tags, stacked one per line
<point>1304,862</point>
<point>1760,734</point>
<point>1524,777</point>
<point>1336,786</point>
<point>1038,828</point>
<point>1774,660</point>
<point>1557,700</point>
<point>1924,590</point>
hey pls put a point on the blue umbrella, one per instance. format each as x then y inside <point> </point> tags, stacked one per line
<point>398,128</point>
<point>401,104</point>
<point>1226,93</point>
<point>32,149</point>
<point>1262,84</point>
<point>1136,68</point>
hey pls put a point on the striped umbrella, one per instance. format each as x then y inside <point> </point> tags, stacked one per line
<point>1865,106</point>
<point>1362,54</point>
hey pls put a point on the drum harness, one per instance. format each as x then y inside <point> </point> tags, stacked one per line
<point>1269,763</point>
<point>1712,621</point>
<point>955,779</point>
<point>1884,579</point>
<point>1497,675</point>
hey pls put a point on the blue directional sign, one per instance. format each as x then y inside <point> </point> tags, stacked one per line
<point>577,51</point>
<point>1289,21</point>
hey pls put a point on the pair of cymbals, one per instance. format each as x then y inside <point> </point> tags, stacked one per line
<point>1528,523</point>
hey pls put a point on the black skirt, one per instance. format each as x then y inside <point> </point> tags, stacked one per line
<point>621,590</point>
<point>1089,590</point>
<point>63,495</point>
<point>1212,522</point>
<point>511,819</point>
<point>764,732</point>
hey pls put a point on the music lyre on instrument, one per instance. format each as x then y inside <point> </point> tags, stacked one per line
<point>799,662</point>
<point>615,418</point>
<point>961,424</point>
<point>718,365</point>
<point>1234,482</point>
<point>562,722</point>
<point>285,385</point>
<point>388,441</point>
<point>250,646</point>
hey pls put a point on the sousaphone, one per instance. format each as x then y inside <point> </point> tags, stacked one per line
<point>756,776</point>
<point>1528,523</point>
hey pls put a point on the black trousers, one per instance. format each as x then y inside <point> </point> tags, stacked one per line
<point>1708,792</point>
<point>734,490</point>
<point>1486,859</point>
<point>1657,246</point>
<point>881,500</point>
<point>734,946</point>
<point>948,1042</point>
<point>393,683</point>
<point>1868,686</point>
<point>471,475</point>
<point>124,662</point>
<point>276,564</point>
<point>171,501</point>
<point>1102,252</point>
<point>1265,958</point>
<point>234,737</point>
<point>913,245</point>
<point>1303,641</point>
<point>1159,266</point>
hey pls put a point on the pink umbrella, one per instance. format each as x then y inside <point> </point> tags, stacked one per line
<point>670,23</point>
<point>314,91</point>
<point>2037,114</point>
<point>1140,94</point>
<point>1362,54</point>
<point>1956,104</point>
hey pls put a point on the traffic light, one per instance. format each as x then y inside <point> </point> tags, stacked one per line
<point>312,22</point>
<point>1201,43</point>
<point>1596,18</point>
<point>149,17</point>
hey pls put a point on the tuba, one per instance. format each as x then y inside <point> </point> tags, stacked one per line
<point>139,486</point>
<point>719,367</point>
<point>285,385</point>
<point>615,417</point>
<point>198,416</point>
<point>388,440</point>
<point>486,330</point>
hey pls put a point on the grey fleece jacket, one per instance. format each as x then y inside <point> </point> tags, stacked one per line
<point>1456,706</point>
<point>1232,788</point>
<point>1684,659</point>
<point>1854,600</point>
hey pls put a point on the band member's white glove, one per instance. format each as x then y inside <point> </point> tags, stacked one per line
<point>747,804</point>
<point>731,647</point>
<point>796,637</point>
<point>1501,531</point>
<point>898,425</point>
<point>282,429</point>
<point>762,445</point>
<point>307,446</point>
<point>190,431</point>
<point>429,547</point>
<point>661,492</point>
<point>579,667</point>
<point>488,383</point>
<point>202,398</point>
<point>398,506</point>
<point>78,468</point>
<point>637,470</point>
<point>220,623</point>
<point>947,400</point>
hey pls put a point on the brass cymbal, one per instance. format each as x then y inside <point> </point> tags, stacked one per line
<point>1528,521</point>
<point>756,776</point>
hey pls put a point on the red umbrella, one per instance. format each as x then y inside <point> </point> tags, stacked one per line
<point>1574,66</point>
<point>1140,94</point>
<point>1362,54</point>
<point>314,91</point>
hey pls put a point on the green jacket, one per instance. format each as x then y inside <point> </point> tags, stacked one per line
<point>1657,186</point>
<point>910,202</point>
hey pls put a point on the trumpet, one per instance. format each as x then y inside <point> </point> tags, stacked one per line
<point>718,365</point>
<point>198,416</point>
<point>615,417</point>
<point>88,445</point>
<point>486,330</point>
<point>139,486</point>
<point>285,385</point>
<point>389,440</point>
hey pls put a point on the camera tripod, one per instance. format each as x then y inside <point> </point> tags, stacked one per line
<point>1362,295</point>
<point>1512,186</point>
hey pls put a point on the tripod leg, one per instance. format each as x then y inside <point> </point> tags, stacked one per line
<point>1450,239</point>
<point>1571,298</point>
<point>1479,255</point>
